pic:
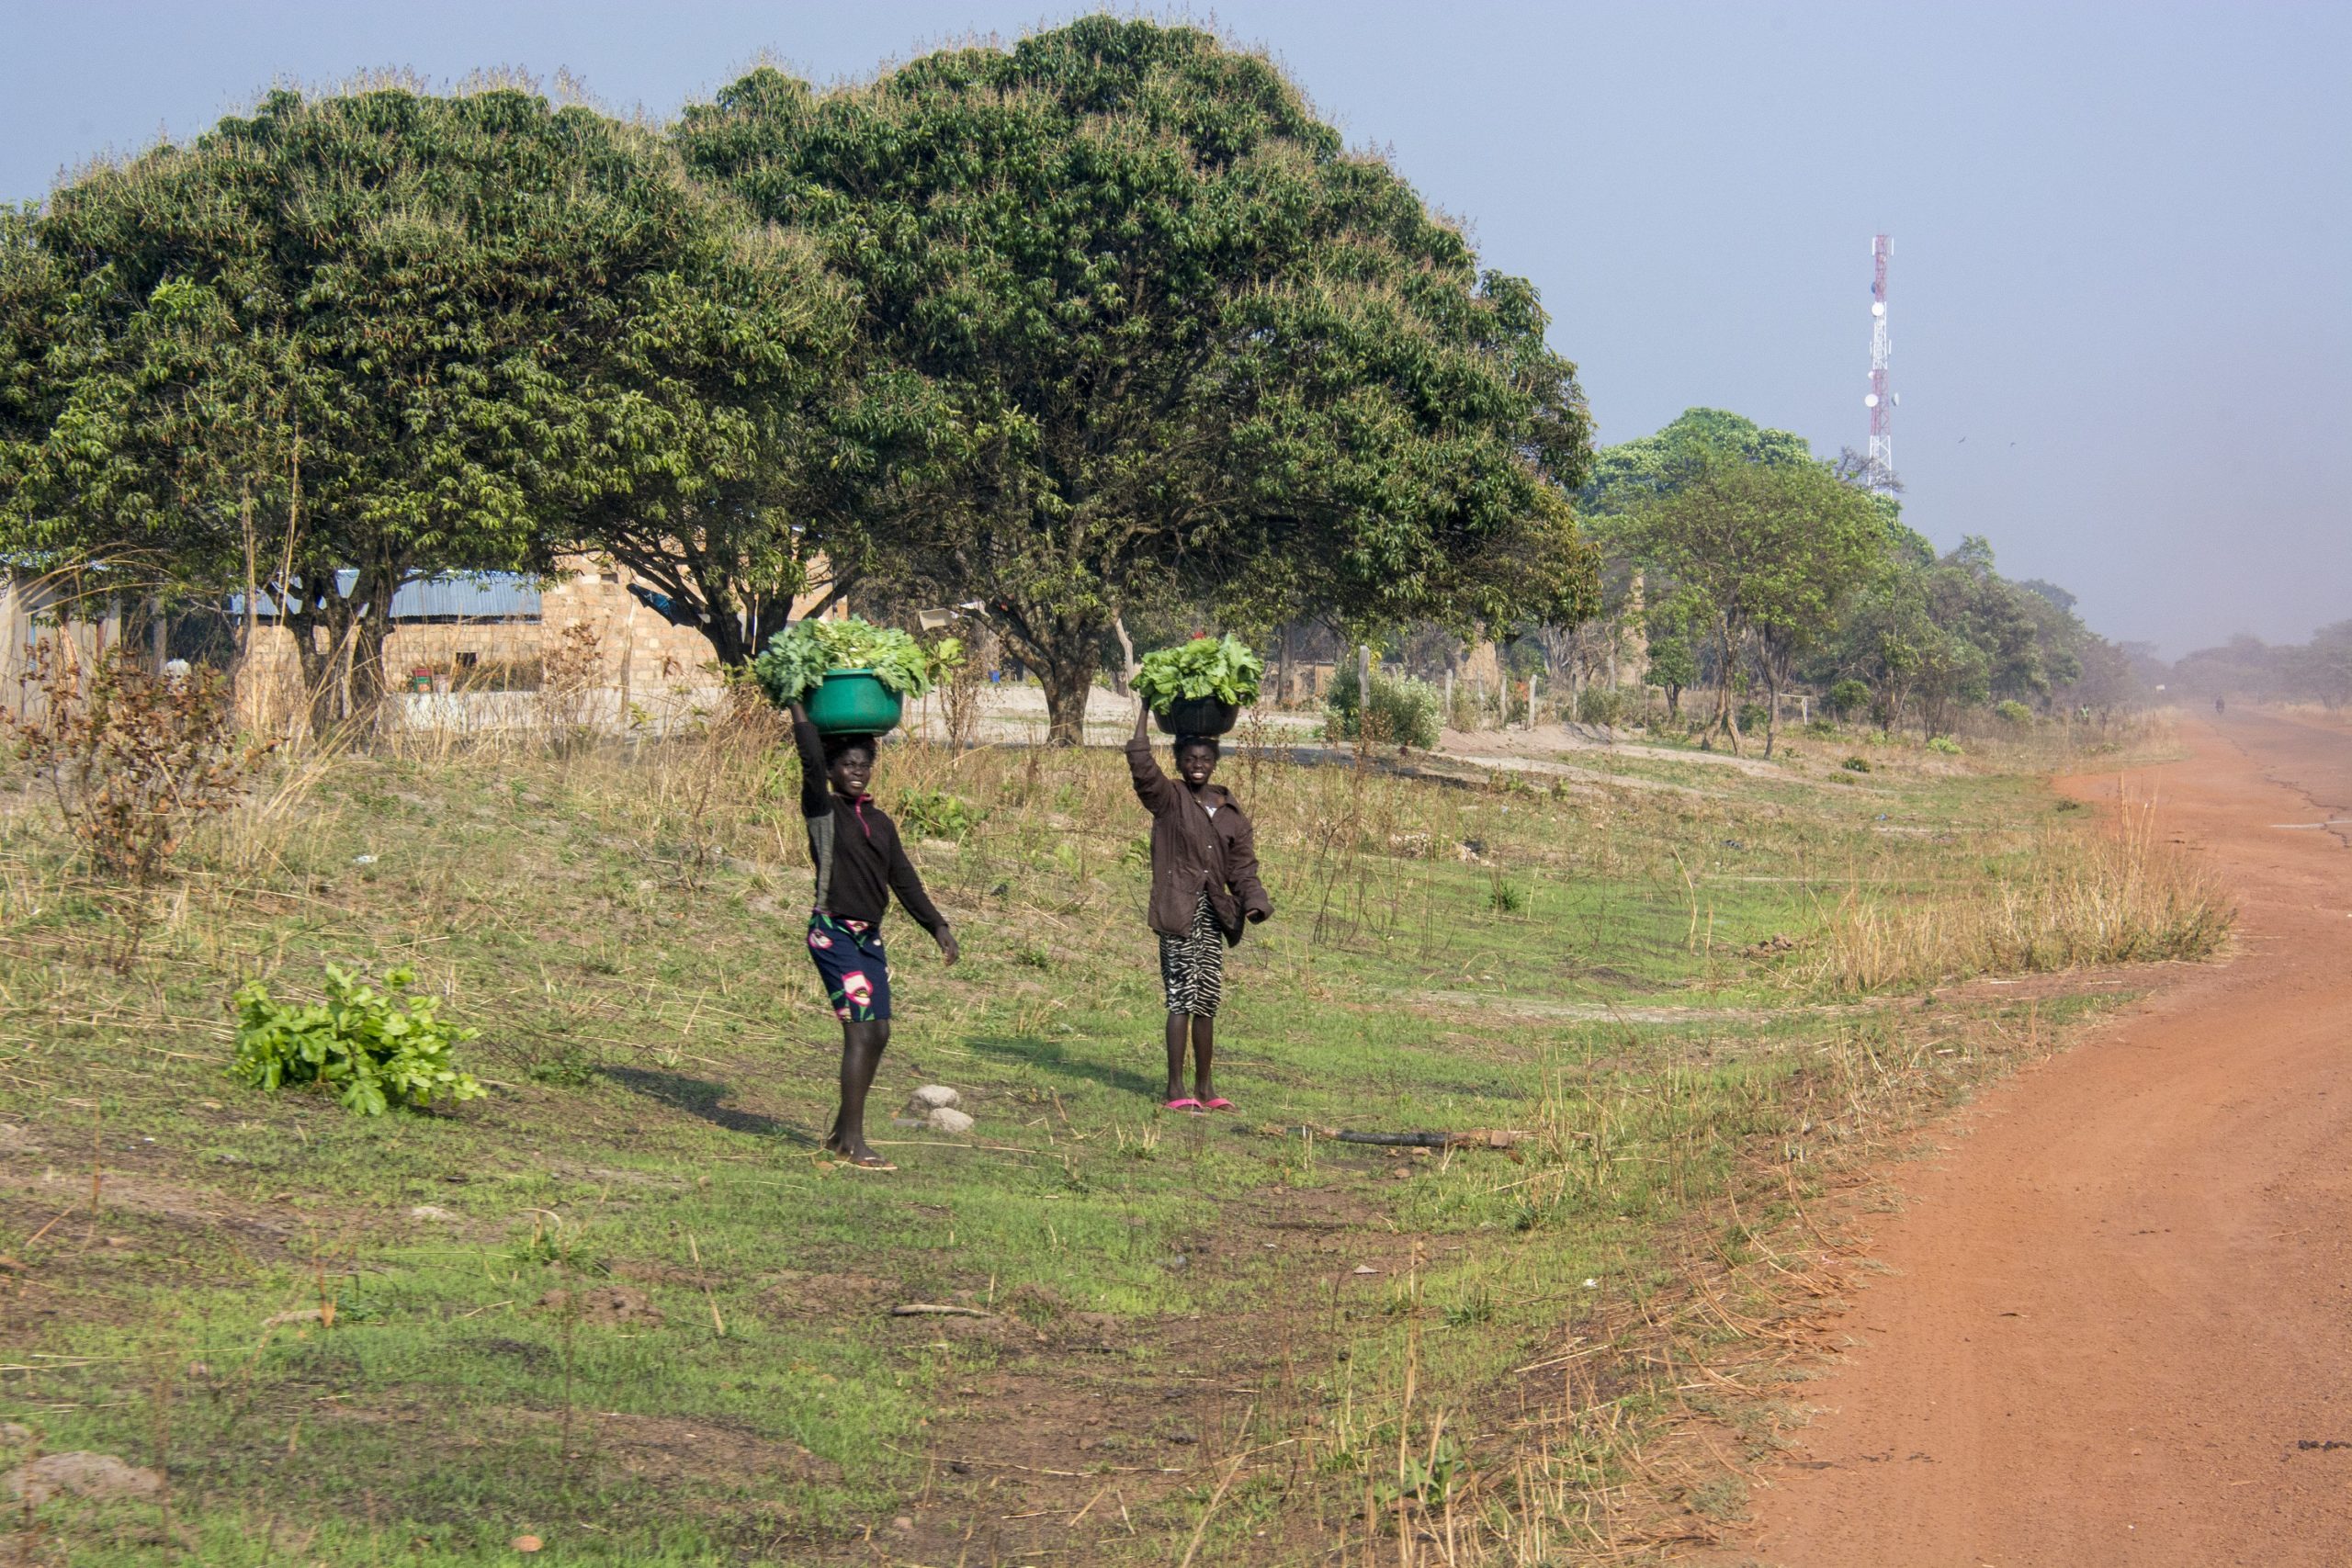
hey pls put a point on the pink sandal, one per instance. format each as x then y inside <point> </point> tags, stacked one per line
<point>1187,1103</point>
<point>1219,1103</point>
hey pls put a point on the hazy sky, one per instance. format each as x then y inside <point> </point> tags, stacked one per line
<point>2121,302</point>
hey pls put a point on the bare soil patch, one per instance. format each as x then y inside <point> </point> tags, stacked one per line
<point>2115,1323</point>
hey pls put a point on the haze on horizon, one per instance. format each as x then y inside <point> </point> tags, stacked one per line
<point>2121,314</point>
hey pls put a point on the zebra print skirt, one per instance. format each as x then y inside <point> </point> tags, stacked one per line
<point>1191,967</point>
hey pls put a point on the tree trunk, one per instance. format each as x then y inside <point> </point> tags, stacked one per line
<point>1775,676</point>
<point>1724,720</point>
<point>372,630</point>
<point>1126,653</point>
<point>1066,678</point>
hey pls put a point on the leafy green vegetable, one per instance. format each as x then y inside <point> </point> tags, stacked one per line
<point>375,1049</point>
<point>796,658</point>
<point>1223,668</point>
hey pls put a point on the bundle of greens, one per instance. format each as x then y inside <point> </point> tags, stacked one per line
<point>1223,668</point>
<point>795,658</point>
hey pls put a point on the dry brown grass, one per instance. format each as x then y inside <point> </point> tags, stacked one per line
<point>2122,893</point>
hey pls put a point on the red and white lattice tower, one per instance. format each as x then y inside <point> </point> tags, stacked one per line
<point>1881,400</point>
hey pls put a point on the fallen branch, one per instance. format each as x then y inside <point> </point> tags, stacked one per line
<point>1474,1138</point>
<point>936,1309</point>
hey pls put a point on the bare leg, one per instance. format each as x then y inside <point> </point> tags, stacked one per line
<point>862,1047</point>
<point>1203,1055</point>
<point>1176,1026</point>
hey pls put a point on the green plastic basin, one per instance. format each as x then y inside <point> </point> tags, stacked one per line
<point>852,702</point>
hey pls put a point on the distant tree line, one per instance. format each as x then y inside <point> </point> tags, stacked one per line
<point>2319,670</point>
<point>1751,564</point>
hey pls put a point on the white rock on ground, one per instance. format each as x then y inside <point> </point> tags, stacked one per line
<point>947,1119</point>
<point>932,1097</point>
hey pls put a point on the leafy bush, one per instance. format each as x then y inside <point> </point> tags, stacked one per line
<point>1404,711</point>
<point>1599,705</point>
<point>936,814</point>
<point>1752,716</point>
<point>1945,744</point>
<point>1856,764</point>
<point>1820,728</point>
<point>374,1049</point>
<point>1847,698</point>
<point>796,658</point>
<point>1223,668</point>
<point>2014,712</point>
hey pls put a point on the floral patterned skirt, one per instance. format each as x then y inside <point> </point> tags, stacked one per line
<point>848,955</point>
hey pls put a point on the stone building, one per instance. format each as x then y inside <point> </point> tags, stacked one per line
<point>473,649</point>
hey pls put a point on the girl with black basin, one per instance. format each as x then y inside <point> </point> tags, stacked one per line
<point>1205,892</point>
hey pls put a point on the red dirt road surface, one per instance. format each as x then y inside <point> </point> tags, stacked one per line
<point>2119,1328</point>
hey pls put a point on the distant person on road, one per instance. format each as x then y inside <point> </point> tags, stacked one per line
<point>2217,707</point>
<point>860,863</point>
<point>1204,892</point>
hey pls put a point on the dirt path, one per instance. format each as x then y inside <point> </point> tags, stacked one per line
<point>2119,1328</point>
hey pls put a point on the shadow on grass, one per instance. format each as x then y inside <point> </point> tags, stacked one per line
<point>700,1098</point>
<point>1050,1058</point>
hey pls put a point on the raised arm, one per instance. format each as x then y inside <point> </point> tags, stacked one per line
<point>816,792</point>
<point>1151,785</point>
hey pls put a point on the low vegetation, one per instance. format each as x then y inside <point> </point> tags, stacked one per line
<point>2118,895</point>
<point>618,1307</point>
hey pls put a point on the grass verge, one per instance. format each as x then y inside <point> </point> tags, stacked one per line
<point>621,1308</point>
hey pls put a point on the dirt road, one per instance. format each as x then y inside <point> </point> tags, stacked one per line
<point>2119,1331</point>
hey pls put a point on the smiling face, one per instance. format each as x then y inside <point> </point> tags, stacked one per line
<point>851,769</point>
<point>1195,760</point>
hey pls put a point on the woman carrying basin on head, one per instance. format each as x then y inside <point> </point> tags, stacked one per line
<point>1205,890</point>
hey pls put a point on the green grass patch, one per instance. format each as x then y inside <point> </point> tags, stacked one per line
<point>619,1304</point>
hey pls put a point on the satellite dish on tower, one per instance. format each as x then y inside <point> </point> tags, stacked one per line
<point>1878,307</point>
<point>1870,400</point>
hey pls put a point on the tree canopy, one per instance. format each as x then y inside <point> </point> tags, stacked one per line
<point>1191,344</point>
<point>1649,466</point>
<point>348,342</point>
<point>1769,550</point>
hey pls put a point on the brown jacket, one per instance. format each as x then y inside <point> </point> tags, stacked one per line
<point>1193,850</point>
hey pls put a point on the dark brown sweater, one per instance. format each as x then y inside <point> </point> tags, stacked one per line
<point>1194,850</point>
<point>854,847</point>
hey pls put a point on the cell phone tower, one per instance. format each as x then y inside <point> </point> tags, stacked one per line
<point>1880,401</point>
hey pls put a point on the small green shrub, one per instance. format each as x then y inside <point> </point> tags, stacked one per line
<point>1821,730</point>
<point>1472,1311</point>
<point>1856,764</point>
<point>1945,744</point>
<point>569,1066</point>
<point>1752,716</point>
<point>936,814</point>
<point>1403,711</point>
<point>2014,712</point>
<point>1847,698</point>
<point>374,1049</point>
<point>1599,705</point>
<point>1504,896</point>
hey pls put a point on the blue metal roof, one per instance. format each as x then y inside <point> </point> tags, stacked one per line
<point>479,595</point>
